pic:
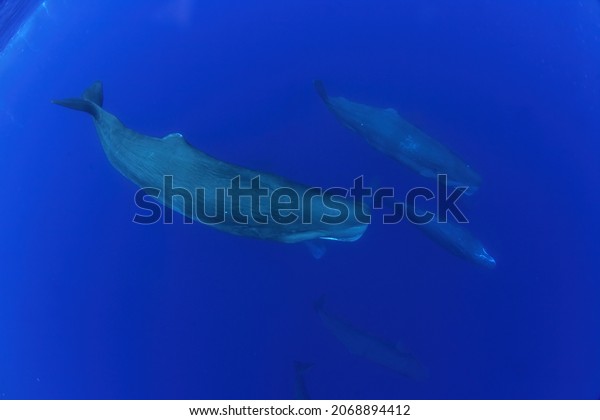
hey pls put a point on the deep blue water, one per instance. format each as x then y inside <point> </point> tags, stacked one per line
<point>95,306</point>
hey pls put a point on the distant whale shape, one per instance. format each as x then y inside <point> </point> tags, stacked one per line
<point>375,349</point>
<point>457,239</point>
<point>389,133</point>
<point>147,160</point>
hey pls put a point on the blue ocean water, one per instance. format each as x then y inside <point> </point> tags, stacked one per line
<point>95,306</point>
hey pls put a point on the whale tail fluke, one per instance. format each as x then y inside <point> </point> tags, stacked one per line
<point>91,100</point>
<point>302,367</point>
<point>95,93</point>
<point>320,88</point>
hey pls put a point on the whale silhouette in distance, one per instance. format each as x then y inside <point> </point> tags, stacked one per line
<point>392,135</point>
<point>378,350</point>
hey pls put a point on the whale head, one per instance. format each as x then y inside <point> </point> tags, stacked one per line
<point>483,258</point>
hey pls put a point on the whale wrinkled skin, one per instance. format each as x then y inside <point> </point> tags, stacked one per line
<point>392,135</point>
<point>146,161</point>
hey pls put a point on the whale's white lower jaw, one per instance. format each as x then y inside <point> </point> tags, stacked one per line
<point>348,235</point>
<point>486,259</point>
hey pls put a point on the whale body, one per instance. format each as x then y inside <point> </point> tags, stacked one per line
<point>146,160</point>
<point>456,238</point>
<point>390,355</point>
<point>392,135</point>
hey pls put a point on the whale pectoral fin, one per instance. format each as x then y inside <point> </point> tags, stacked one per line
<point>316,248</point>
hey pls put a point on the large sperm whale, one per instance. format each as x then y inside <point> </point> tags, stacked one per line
<point>228,197</point>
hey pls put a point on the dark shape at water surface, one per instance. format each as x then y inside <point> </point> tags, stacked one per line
<point>146,161</point>
<point>391,355</point>
<point>389,133</point>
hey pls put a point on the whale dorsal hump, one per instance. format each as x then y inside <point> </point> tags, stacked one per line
<point>391,112</point>
<point>174,137</point>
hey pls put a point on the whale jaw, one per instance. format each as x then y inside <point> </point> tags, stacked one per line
<point>485,259</point>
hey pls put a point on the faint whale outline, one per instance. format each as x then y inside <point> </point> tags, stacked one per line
<point>361,343</point>
<point>389,133</point>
